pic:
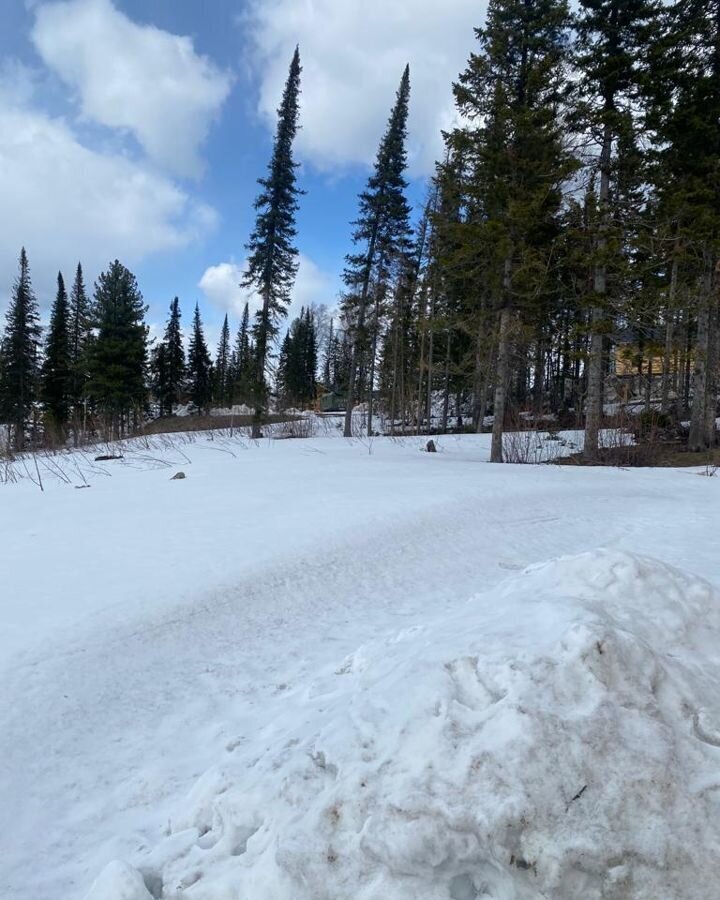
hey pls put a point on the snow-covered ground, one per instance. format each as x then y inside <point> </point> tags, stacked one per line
<point>320,670</point>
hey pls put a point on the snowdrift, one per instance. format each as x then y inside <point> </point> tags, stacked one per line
<point>559,737</point>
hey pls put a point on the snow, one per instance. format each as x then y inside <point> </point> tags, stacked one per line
<point>350,669</point>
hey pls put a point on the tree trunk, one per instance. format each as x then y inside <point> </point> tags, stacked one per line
<point>699,438</point>
<point>446,387</point>
<point>502,370</point>
<point>431,347</point>
<point>593,405</point>
<point>669,336</point>
<point>501,382</point>
<point>422,326</point>
<point>479,386</point>
<point>373,354</point>
<point>539,377</point>
<point>260,371</point>
<point>359,330</point>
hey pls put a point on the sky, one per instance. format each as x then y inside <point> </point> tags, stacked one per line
<point>136,130</point>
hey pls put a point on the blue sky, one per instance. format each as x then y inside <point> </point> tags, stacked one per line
<point>137,129</point>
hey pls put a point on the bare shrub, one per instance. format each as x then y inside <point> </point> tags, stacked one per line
<point>305,427</point>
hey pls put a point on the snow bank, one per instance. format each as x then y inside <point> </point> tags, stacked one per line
<point>557,737</point>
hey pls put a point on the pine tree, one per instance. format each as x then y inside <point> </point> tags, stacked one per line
<point>80,331</point>
<point>56,373</point>
<point>297,363</point>
<point>510,92</point>
<point>199,367</point>
<point>118,360</point>
<point>223,368</point>
<point>611,37</point>
<point>382,232</point>
<point>175,357</point>
<point>272,255</point>
<point>685,116</point>
<point>282,375</point>
<point>159,376</point>
<point>242,370</point>
<point>309,359</point>
<point>169,363</point>
<point>19,362</point>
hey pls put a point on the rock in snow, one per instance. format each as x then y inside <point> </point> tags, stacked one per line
<point>556,738</point>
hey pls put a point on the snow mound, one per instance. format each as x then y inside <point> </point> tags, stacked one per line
<point>558,737</point>
<point>121,882</point>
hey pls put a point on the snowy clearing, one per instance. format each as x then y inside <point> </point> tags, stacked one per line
<point>317,669</point>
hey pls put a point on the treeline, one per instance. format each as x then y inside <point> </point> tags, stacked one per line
<point>568,254</point>
<point>575,217</point>
<point>93,360</point>
<point>96,373</point>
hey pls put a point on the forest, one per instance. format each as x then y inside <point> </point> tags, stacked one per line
<point>564,267</point>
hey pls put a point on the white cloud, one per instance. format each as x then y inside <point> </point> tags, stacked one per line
<point>221,286</point>
<point>353,55</point>
<point>66,202</point>
<point>133,77</point>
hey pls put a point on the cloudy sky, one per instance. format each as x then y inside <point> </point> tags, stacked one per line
<point>136,129</point>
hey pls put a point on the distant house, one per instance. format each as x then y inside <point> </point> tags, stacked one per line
<point>638,352</point>
<point>333,401</point>
<point>636,361</point>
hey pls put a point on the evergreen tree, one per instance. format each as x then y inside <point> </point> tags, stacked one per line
<point>19,362</point>
<point>223,368</point>
<point>297,363</point>
<point>308,363</point>
<point>57,374</point>
<point>80,331</point>
<point>169,363</point>
<point>282,388</point>
<point>272,254</point>
<point>382,234</point>
<point>242,370</point>
<point>611,37</point>
<point>685,116</point>
<point>118,360</point>
<point>510,93</point>
<point>176,357</point>
<point>199,367</point>
<point>159,376</point>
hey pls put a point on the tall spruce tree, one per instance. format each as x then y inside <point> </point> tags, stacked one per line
<point>381,233</point>
<point>19,355</point>
<point>223,367</point>
<point>611,35</point>
<point>169,363</point>
<point>242,373</point>
<point>199,367</point>
<point>685,90</point>
<point>118,360</point>
<point>80,330</point>
<point>159,376</point>
<point>297,364</point>
<point>56,373</point>
<point>272,255</point>
<point>510,94</point>
<point>282,373</point>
